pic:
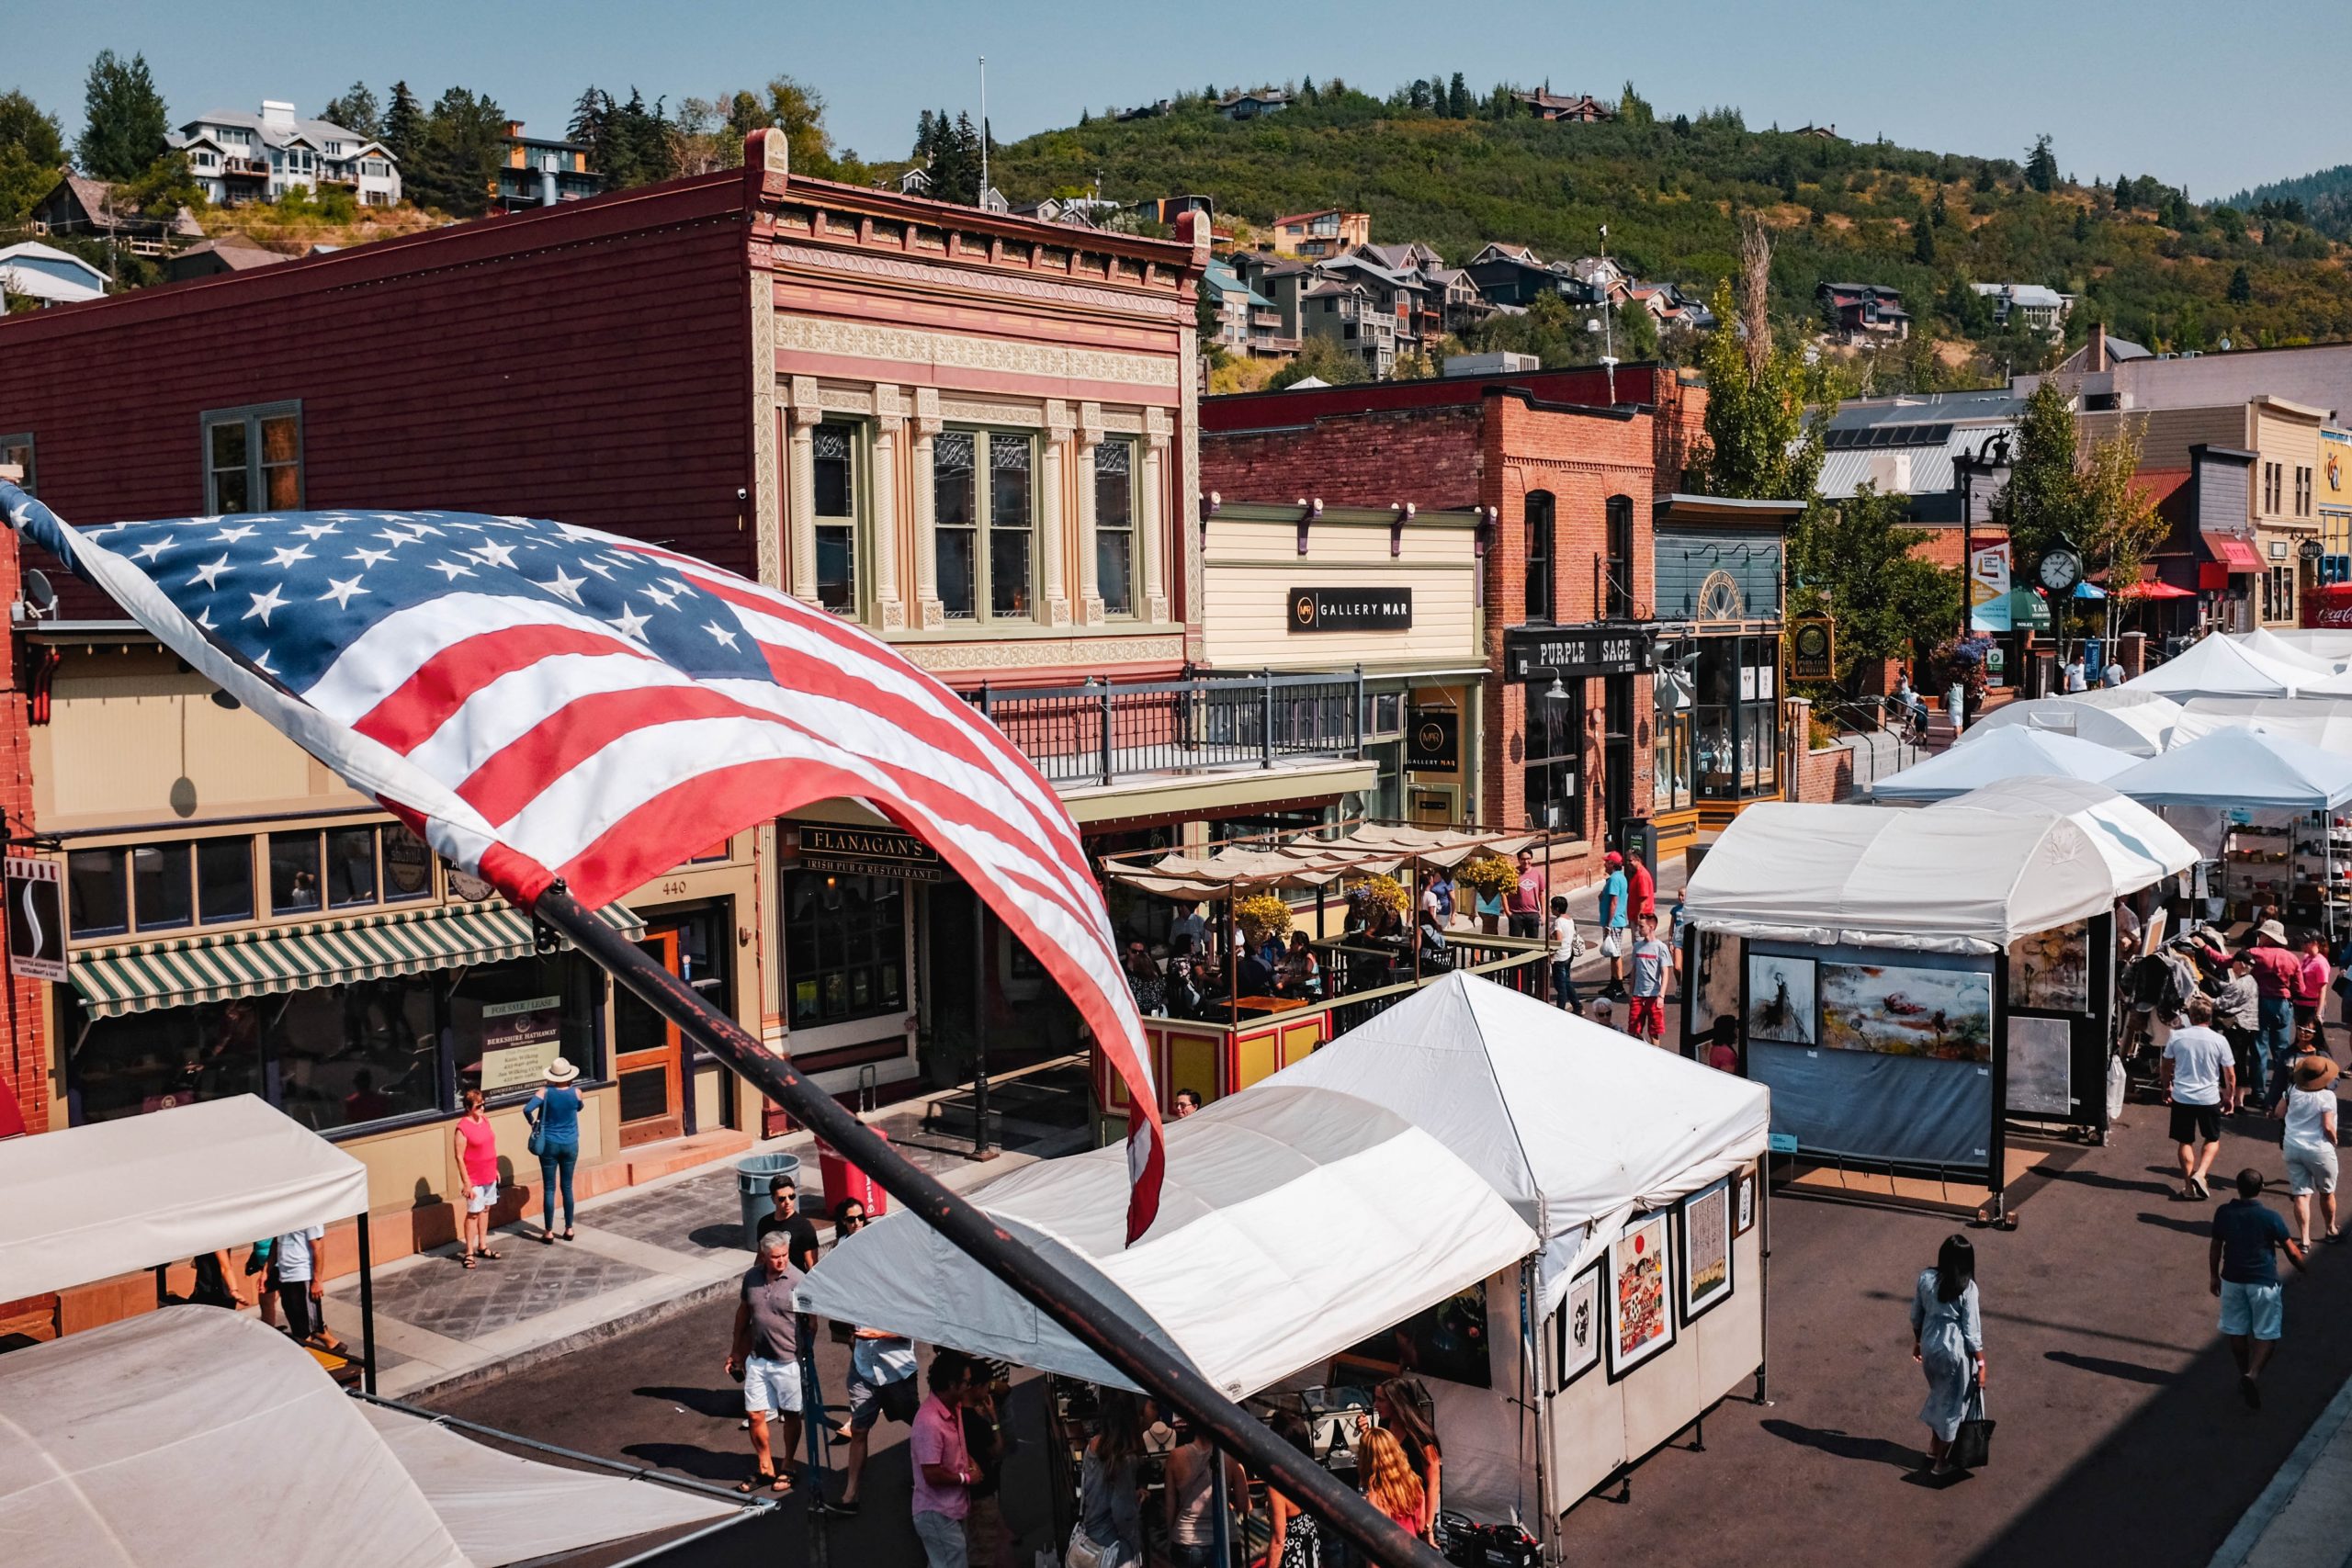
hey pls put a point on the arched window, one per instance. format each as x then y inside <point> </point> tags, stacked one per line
<point>1540,555</point>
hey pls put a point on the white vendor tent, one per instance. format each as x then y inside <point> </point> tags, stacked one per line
<point>1534,1099</point>
<point>2011,752</point>
<point>2323,722</point>
<point>2138,723</point>
<point>2334,644</point>
<point>2242,768</point>
<point>114,1196</point>
<point>2222,666</point>
<point>2270,644</point>
<point>1281,1241</point>
<point>181,1438</point>
<point>1969,874</point>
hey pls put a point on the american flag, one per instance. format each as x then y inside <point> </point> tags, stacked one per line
<point>545,702</point>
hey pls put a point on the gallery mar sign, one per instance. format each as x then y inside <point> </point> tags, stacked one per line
<point>1350,609</point>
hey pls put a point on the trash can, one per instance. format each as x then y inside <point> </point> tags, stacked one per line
<point>843,1180</point>
<point>753,1175</point>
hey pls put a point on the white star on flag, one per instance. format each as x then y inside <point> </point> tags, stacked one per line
<point>630,623</point>
<point>287,555</point>
<point>564,587</point>
<point>209,573</point>
<point>493,555</point>
<point>150,551</point>
<point>369,558</point>
<point>317,530</point>
<point>231,535</point>
<point>449,568</point>
<point>343,590</point>
<point>263,603</point>
<point>722,633</point>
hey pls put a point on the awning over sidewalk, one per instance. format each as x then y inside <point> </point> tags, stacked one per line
<point>2233,551</point>
<point>114,1197</point>
<point>193,1435</point>
<point>188,970</point>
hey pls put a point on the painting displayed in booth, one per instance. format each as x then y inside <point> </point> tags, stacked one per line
<point>2041,1066</point>
<point>1706,1248</point>
<point>1718,992</point>
<point>1780,999</point>
<point>1896,1011</point>
<point>1446,1341</point>
<point>1641,1309</point>
<point>2050,971</point>
<point>1579,1348</point>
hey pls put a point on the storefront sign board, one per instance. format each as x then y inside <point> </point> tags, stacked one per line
<point>35,919</point>
<point>1350,609</point>
<point>519,1039</point>
<point>866,851</point>
<point>1574,652</point>
<point>1433,742</point>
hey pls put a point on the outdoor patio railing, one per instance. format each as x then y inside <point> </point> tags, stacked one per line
<point>1101,731</point>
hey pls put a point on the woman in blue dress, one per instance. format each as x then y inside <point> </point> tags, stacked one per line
<point>1947,1341</point>
<point>554,1114</point>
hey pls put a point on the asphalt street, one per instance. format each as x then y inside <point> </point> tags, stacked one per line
<point>2122,1435</point>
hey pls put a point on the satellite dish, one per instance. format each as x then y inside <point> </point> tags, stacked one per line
<point>38,594</point>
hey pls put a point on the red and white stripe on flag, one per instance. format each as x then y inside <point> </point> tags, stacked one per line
<point>532,733</point>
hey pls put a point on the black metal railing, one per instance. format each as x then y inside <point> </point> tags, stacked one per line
<point>1358,977</point>
<point>1101,731</point>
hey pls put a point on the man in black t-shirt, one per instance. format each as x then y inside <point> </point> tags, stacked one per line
<point>800,1236</point>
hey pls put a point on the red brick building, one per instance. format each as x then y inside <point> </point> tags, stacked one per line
<point>1567,485</point>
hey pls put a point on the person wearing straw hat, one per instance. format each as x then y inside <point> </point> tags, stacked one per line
<point>2277,972</point>
<point>554,1115</point>
<point>2309,1109</point>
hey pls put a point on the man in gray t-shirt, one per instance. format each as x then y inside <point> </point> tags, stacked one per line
<point>765,1354</point>
<point>2200,1076</point>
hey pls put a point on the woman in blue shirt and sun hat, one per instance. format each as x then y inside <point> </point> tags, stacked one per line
<point>554,1114</point>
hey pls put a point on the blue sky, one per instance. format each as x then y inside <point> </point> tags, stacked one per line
<point>2158,86</point>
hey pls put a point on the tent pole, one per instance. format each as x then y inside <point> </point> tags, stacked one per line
<point>367,1305</point>
<point>1087,1319</point>
<point>981,1149</point>
<point>813,1426</point>
<point>1764,1273</point>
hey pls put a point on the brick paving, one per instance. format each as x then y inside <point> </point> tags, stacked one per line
<point>526,1281</point>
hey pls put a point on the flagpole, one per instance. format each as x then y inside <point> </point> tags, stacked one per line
<point>1088,1320</point>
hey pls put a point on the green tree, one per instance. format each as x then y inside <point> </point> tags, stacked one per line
<point>2058,493</point>
<point>1759,444</point>
<point>159,189</point>
<point>123,121</point>
<point>403,135</point>
<point>1636,335</point>
<point>1939,213</point>
<point>32,150</point>
<point>799,111</point>
<point>1854,562</point>
<point>1923,243</point>
<point>1457,98</point>
<point>1635,110</point>
<point>2241,287</point>
<point>358,110</point>
<point>2042,166</point>
<point>956,161</point>
<point>457,164</point>
<point>1319,357</point>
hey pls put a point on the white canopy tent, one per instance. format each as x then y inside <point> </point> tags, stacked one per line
<point>180,1438</point>
<point>1969,874</point>
<point>1279,1244</point>
<point>2334,644</point>
<point>2323,722</point>
<point>2014,751</point>
<point>2244,768</point>
<point>2137,723</point>
<point>2223,667</point>
<point>2270,644</point>
<point>114,1196</point>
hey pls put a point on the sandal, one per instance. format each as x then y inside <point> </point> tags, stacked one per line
<point>567,1235</point>
<point>486,1252</point>
<point>466,1261</point>
<point>547,1238</point>
<point>748,1487</point>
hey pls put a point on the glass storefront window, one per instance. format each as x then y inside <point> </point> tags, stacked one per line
<point>152,1061</point>
<point>845,947</point>
<point>98,900</point>
<point>293,873</point>
<point>1738,723</point>
<point>1555,777</point>
<point>160,886</point>
<point>506,1020</point>
<point>407,865</point>
<point>349,1054</point>
<point>351,866</point>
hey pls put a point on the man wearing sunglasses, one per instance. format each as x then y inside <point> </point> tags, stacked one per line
<point>881,1376</point>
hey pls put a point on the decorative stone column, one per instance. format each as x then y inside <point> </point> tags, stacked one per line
<point>1055,594</point>
<point>800,563</point>
<point>1090,559</point>
<point>890,427</point>
<point>929,611</point>
<point>1151,524</point>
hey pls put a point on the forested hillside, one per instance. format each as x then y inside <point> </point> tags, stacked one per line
<point>1433,163</point>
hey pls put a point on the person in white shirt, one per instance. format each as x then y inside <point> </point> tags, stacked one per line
<point>2076,679</point>
<point>1189,922</point>
<point>2200,1076</point>
<point>299,1264</point>
<point>1564,954</point>
<point>2309,1107</point>
<point>2111,674</point>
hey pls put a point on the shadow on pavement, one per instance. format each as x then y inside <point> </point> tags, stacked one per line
<point>2130,1371</point>
<point>720,1402</point>
<point>688,1459</point>
<point>1845,1444</point>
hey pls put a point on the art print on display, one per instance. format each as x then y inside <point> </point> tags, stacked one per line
<point>2050,971</point>
<point>1641,1309</point>
<point>1900,1011</point>
<point>1706,1250</point>
<point>1578,1348</point>
<point>2041,1066</point>
<point>1718,991</point>
<point>1743,1212</point>
<point>1780,999</point>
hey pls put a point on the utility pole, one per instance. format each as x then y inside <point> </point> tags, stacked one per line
<point>984,130</point>
<point>1608,327</point>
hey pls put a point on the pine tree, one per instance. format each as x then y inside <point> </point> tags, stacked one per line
<point>1457,98</point>
<point>403,128</point>
<point>955,162</point>
<point>457,164</point>
<point>32,149</point>
<point>2081,226</point>
<point>1923,243</point>
<point>358,110</point>
<point>1938,213</point>
<point>590,115</point>
<point>2241,287</point>
<point>1417,96</point>
<point>1307,94</point>
<point>123,121</point>
<point>923,135</point>
<point>2042,166</point>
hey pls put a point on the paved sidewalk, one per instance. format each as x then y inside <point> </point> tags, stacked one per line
<point>2303,1519</point>
<point>641,1254</point>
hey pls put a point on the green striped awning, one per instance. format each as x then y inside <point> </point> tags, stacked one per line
<point>140,976</point>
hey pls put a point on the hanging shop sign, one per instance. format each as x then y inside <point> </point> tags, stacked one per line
<point>864,851</point>
<point>519,1041</point>
<point>1812,648</point>
<point>35,919</point>
<point>1433,742</point>
<point>1350,609</point>
<point>1538,653</point>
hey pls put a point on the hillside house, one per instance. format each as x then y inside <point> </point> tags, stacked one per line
<point>542,172</point>
<point>1253,106</point>
<point>1350,315</point>
<point>211,258</point>
<point>47,275</point>
<point>2038,307</point>
<point>1582,107</point>
<point>1858,312</point>
<point>88,208</point>
<point>238,157</point>
<point>1330,232</point>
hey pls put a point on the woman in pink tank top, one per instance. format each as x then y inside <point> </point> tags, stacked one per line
<point>477,1148</point>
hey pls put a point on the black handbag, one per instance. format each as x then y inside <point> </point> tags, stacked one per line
<point>1971,1445</point>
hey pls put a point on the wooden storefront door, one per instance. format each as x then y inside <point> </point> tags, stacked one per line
<point>647,1055</point>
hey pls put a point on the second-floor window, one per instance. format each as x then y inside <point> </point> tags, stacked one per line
<point>2272,483</point>
<point>1617,597</point>
<point>983,531</point>
<point>254,458</point>
<point>1115,526</point>
<point>2303,492</point>
<point>16,452</point>
<point>1539,555</point>
<point>835,460</point>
